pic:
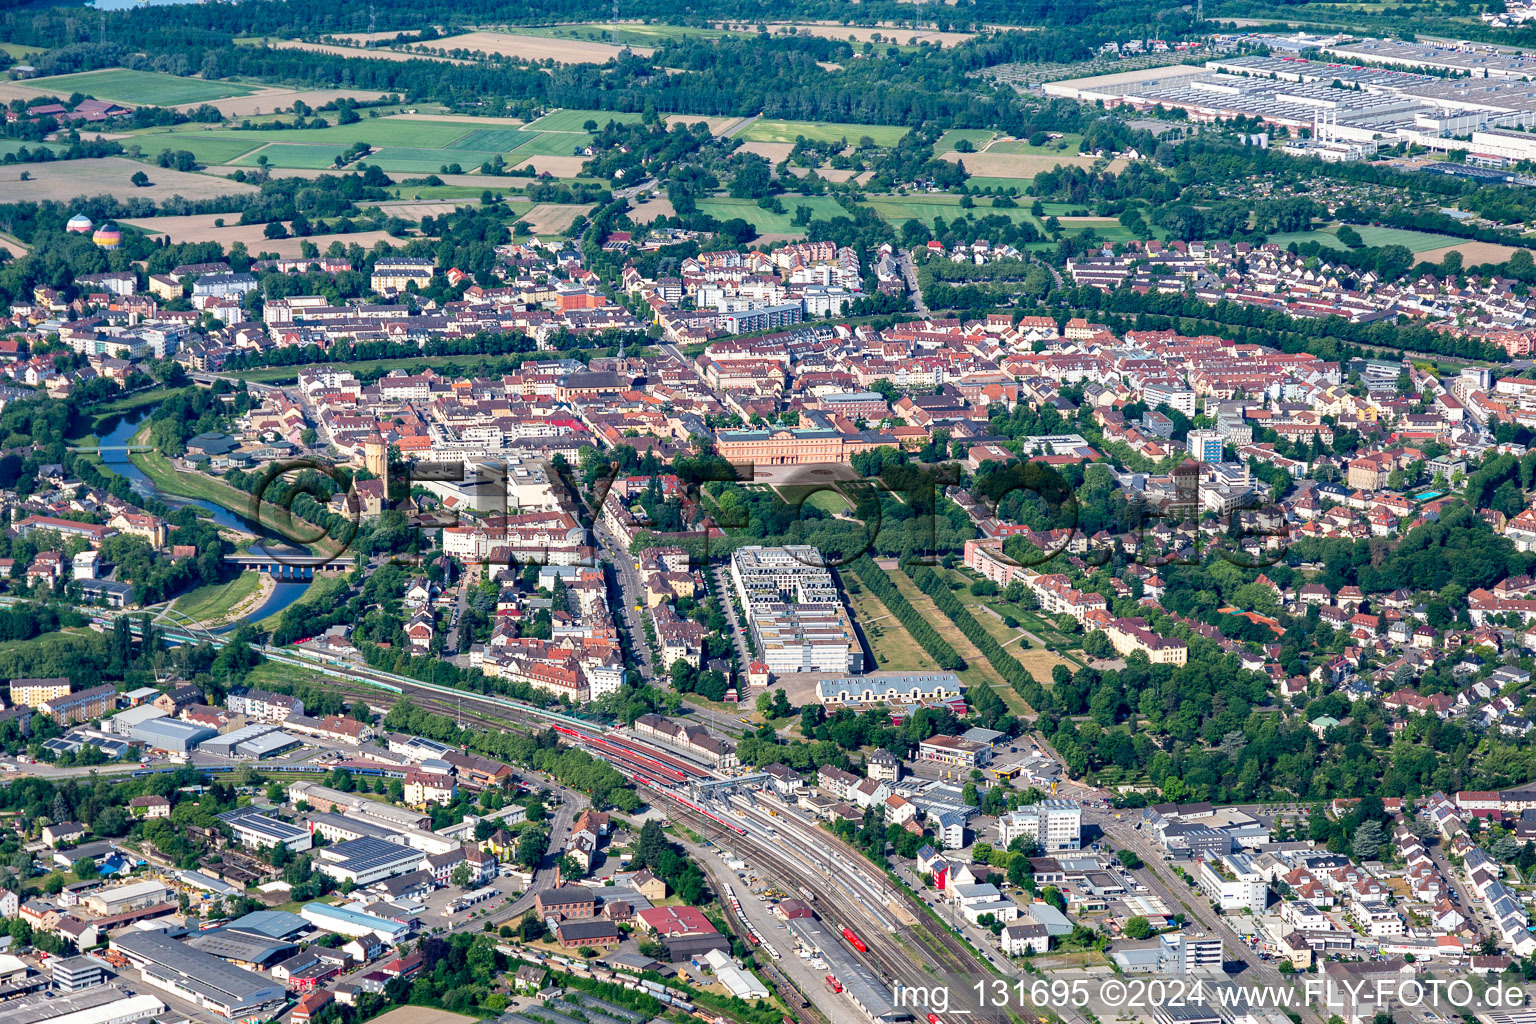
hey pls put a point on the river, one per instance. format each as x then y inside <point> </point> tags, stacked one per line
<point>283,594</point>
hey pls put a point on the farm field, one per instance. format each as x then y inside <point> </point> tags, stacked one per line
<point>631,35</point>
<point>1017,184</point>
<point>379,53</point>
<point>199,227</point>
<point>109,175</point>
<point>552,218</point>
<point>9,146</point>
<point>270,99</point>
<point>572,120</point>
<point>897,210</point>
<point>282,154</point>
<point>533,47</point>
<point>888,33</point>
<point>140,88</point>
<point>546,144</point>
<point>767,130</point>
<point>978,137</point>
<point>766,222</point>
<point>1021,165</point>
<point>651,209</point>
<point>207,149</point>
<point>1416,241</point>
<point>1067,145</point>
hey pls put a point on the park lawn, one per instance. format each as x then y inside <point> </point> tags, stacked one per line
<point>141,88</point>
<point>894,648</point>
<point>768,130</point>
<point>290,374</point>
<point>572,120</point>
<point>199,485</point>
<point>211,602</point>
<point>978,137</point>
<point>978,670</point>
<point>767,222</point>
<point>830,502</point>
<point>209,151</point>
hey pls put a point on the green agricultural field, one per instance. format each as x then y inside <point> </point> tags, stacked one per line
<point>141,88</point>
<point>207,150</point>
<point>376,131</point>
<point>1018,184</point>
<point>426,161</point>
<point>897,210</point>
<point>282,154</point>
<point>493,140</point>
<point>1067,144</point>
<point>978,137</point>
<point>548,144</point>
<point>9,146</point>
<point>1415,241</point>
<point>767,130</point>
<point>572,120</point>
<point>768,223</point>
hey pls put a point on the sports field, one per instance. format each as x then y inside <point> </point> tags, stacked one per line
<point>141,88</point>
<point>768,130</point>
<point>768,223</point>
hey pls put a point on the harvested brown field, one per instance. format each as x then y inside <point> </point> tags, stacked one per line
<point>200,228</point>
<point>355,51</point>
<point>1020,165</point>
<point>717,125</point>
<point>415,209</point>
<point>422,1015</point>
<point>1472,253</point>
<point>773,152</point>
<point>561,51</point>
<point>652,209</point>
<point>108,175</point>
<point>559,166</point>
<point>269,101</point>
<point>553,218</point>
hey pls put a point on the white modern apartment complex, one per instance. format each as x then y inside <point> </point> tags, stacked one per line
<point>792,606</point>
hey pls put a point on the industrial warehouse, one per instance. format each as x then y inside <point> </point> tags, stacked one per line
<point>1348,111</point>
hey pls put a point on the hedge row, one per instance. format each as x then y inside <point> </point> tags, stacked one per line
<point>1007,666</point>
<point>874,578</point>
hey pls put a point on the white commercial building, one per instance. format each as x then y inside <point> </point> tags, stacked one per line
<point>1056,825</point>
<point>1234,883</point>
